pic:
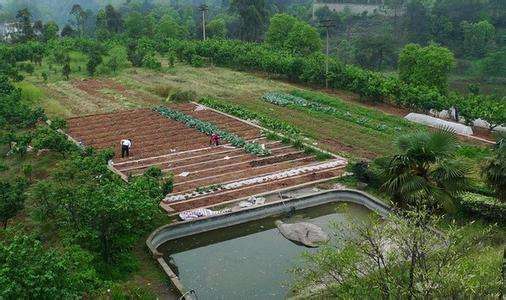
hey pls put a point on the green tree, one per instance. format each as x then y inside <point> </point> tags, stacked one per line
<point>279,28</point>
<point>288,33</point>
<point>374,52</point>
<point>346,52</point>
<point>404,258</point>
<point>50,31</point>
<point>24,24</point>
<point>428,66</point>
<point>417,22</point>
<point>168,28</point>
<point>48,138</point>
<point>138,25</point>
<point>136,55</point>
<point>14,112</point>
<point>32,271</point>
<point>94,60</point>
<point>494,170</point>
<point>253,16</point>
<point>12,199</point>
<point>303,39</point>
<point>494,64</point>
<point>478,37</point>
<point>424,168</point>
<point>217,28</point>
<point>80,17</point>
<point>66,71</point>
<point>95,208</point>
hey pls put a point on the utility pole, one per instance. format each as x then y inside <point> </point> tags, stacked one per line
<point>203,8</point>
<point>327,24</point>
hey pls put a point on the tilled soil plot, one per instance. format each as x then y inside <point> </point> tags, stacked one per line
<point>186,153</point>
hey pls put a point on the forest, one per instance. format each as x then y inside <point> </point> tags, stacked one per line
<point>340,79</point>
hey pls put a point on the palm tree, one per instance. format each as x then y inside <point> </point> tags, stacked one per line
<point>494,170</point>
<point>424,170</point>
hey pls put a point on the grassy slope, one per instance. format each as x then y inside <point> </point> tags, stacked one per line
<point>352,140</point>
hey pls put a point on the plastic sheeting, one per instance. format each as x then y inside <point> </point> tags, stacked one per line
<point>438,123</point>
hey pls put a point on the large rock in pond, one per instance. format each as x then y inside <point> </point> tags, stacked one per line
<point>303,233</point>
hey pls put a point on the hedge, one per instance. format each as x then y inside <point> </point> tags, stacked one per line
<point>483,206</point>
<point>370,85</point>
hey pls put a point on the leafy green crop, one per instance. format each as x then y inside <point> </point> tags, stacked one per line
<point>331,106</point>
<point>209,128</point>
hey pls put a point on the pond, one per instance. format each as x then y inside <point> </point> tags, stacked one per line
<point>250,260</point>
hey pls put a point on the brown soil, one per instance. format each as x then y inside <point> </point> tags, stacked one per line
<point>95,87</point>
<point>154,137</point>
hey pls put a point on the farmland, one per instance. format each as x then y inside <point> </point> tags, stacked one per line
<point>177,149</point>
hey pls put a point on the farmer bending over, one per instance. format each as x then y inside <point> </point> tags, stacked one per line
<point>215,139</point>
<point>125,147</point>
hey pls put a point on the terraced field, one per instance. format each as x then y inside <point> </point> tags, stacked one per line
<point>203,175</point>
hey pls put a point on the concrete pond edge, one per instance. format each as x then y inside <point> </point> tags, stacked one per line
<point>177,230</point>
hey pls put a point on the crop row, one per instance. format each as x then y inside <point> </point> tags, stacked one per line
<point>259,179</point>
<point>244,114</point>
<point>283,99</point>
<point>209,128</point>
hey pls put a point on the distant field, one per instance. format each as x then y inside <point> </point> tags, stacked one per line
<point>137,88</point>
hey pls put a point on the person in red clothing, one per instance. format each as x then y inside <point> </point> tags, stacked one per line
<point>215,139</point>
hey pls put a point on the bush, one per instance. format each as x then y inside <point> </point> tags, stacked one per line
<point>152,63</point>
<point>154,172</point>
<point>486,207</point>
<point>182,96</point>
<point>361,171</point>
<point>197,61</point>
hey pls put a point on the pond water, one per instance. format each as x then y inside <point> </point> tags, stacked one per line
<point>251,260</point>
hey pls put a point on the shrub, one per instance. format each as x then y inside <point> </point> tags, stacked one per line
<point>361,171</point>
<point>197,61</point>
<point>182,96</point>
<point>153,172</point>
<point>151,62</point>
<point>483,206</point>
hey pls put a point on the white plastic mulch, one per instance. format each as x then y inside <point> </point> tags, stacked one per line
<point>438,123</point>
<point>261,179</point>
<point>200,213</point>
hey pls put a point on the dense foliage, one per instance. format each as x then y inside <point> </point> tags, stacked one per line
<point>370,85</point>
<point>494,169</point>
<point>12,199</point>
<point>428,66</point>
<point>94,208</point>
<point>486,207</point>
<point>28,270</point>
<point>402,258</point>
<point>424,171</point>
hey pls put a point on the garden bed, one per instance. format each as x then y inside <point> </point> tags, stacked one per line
<point>160,141</point>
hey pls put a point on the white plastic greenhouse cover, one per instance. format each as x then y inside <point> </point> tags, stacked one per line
<point>438,123</point>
